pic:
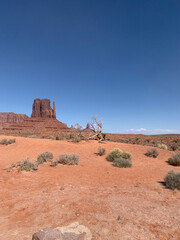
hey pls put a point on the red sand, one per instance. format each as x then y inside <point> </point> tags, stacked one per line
<point>94,193</point>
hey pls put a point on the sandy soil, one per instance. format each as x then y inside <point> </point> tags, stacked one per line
<point>116,204</point>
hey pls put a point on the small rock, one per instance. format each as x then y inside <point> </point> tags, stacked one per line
<point>48,234</point>
<point>118,218</point>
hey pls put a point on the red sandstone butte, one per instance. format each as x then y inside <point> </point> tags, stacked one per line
<point>42,108</point>
<point>43,119</point>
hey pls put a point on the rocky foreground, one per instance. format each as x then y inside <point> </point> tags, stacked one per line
<point>112,203</point>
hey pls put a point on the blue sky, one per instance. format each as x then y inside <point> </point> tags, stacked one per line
<point>117,59</point>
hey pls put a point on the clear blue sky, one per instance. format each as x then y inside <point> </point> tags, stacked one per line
<point>118,59</point>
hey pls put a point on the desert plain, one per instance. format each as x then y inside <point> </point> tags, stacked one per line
<point>114,203</point>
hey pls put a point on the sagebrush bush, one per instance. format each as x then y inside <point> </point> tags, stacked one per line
<point>54,163</point>
<point>172,180</point>
<point>24,168</point>
<point>101,151</point>
<point>175,160</point>
<point>44,157</point>
<point>6,141</point>
<point>173,147</point>
<point>13,140</point>
<point>117,153</point>
<point>162,146</point>
<point>122,163</point>
<point>24,165</point>
<point>68,159</point>
<point>152,153</point>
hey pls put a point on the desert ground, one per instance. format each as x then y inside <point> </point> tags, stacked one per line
<point>114,203</point>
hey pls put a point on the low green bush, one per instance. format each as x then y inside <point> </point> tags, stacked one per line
<point>101,151</point>
<point>175,160</point>
<point>122,163</point>
<point>117,153</point>
<point>152,153</point>
<point>68,159</point>
<point>172,180</point>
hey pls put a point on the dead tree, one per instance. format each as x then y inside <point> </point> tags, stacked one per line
<point>96,127</point>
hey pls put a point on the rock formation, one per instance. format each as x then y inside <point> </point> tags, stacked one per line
<point>74,231</point>
<point>43,119</point>
<point>88,129</point>
<point>42,108</point>
<point>11,118</point>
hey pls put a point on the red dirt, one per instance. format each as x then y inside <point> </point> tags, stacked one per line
<point>94,193</point>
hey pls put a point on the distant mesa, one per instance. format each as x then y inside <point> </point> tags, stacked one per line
<point>7,118</point>
<point>43,119</point>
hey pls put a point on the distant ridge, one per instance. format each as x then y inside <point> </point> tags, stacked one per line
<point>8,118</point>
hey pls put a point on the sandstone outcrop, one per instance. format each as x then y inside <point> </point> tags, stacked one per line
<point>42,108</point>
<point>11,118</point>
<point>74,231</point>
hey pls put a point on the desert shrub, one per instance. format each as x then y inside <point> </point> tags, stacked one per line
<point>101,151</point>
<point>126,155</point>
<point>24,168</point>
<point>175,160</point>
<point>54,163</point>
<point>68,159</point>
<point>162,146</point>
<point>147,141</point>
<point>172,180</point>
<point>44,157</point>
<point>173,147</point>
<point>13,140</point>
<point>34,165</point>
<point>122,163</point>
<point>24,165</point>
<point>154,143</point>
<point>152,153</point>
<point>57,138</point>
<point>4,141</point>
<point>117,153</point>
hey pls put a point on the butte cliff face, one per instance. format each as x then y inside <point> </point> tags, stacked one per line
<point>43,119</point>
<point>11,118</point>
<point>42,108</point>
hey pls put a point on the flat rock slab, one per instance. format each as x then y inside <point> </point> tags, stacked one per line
<point>74,231</point>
